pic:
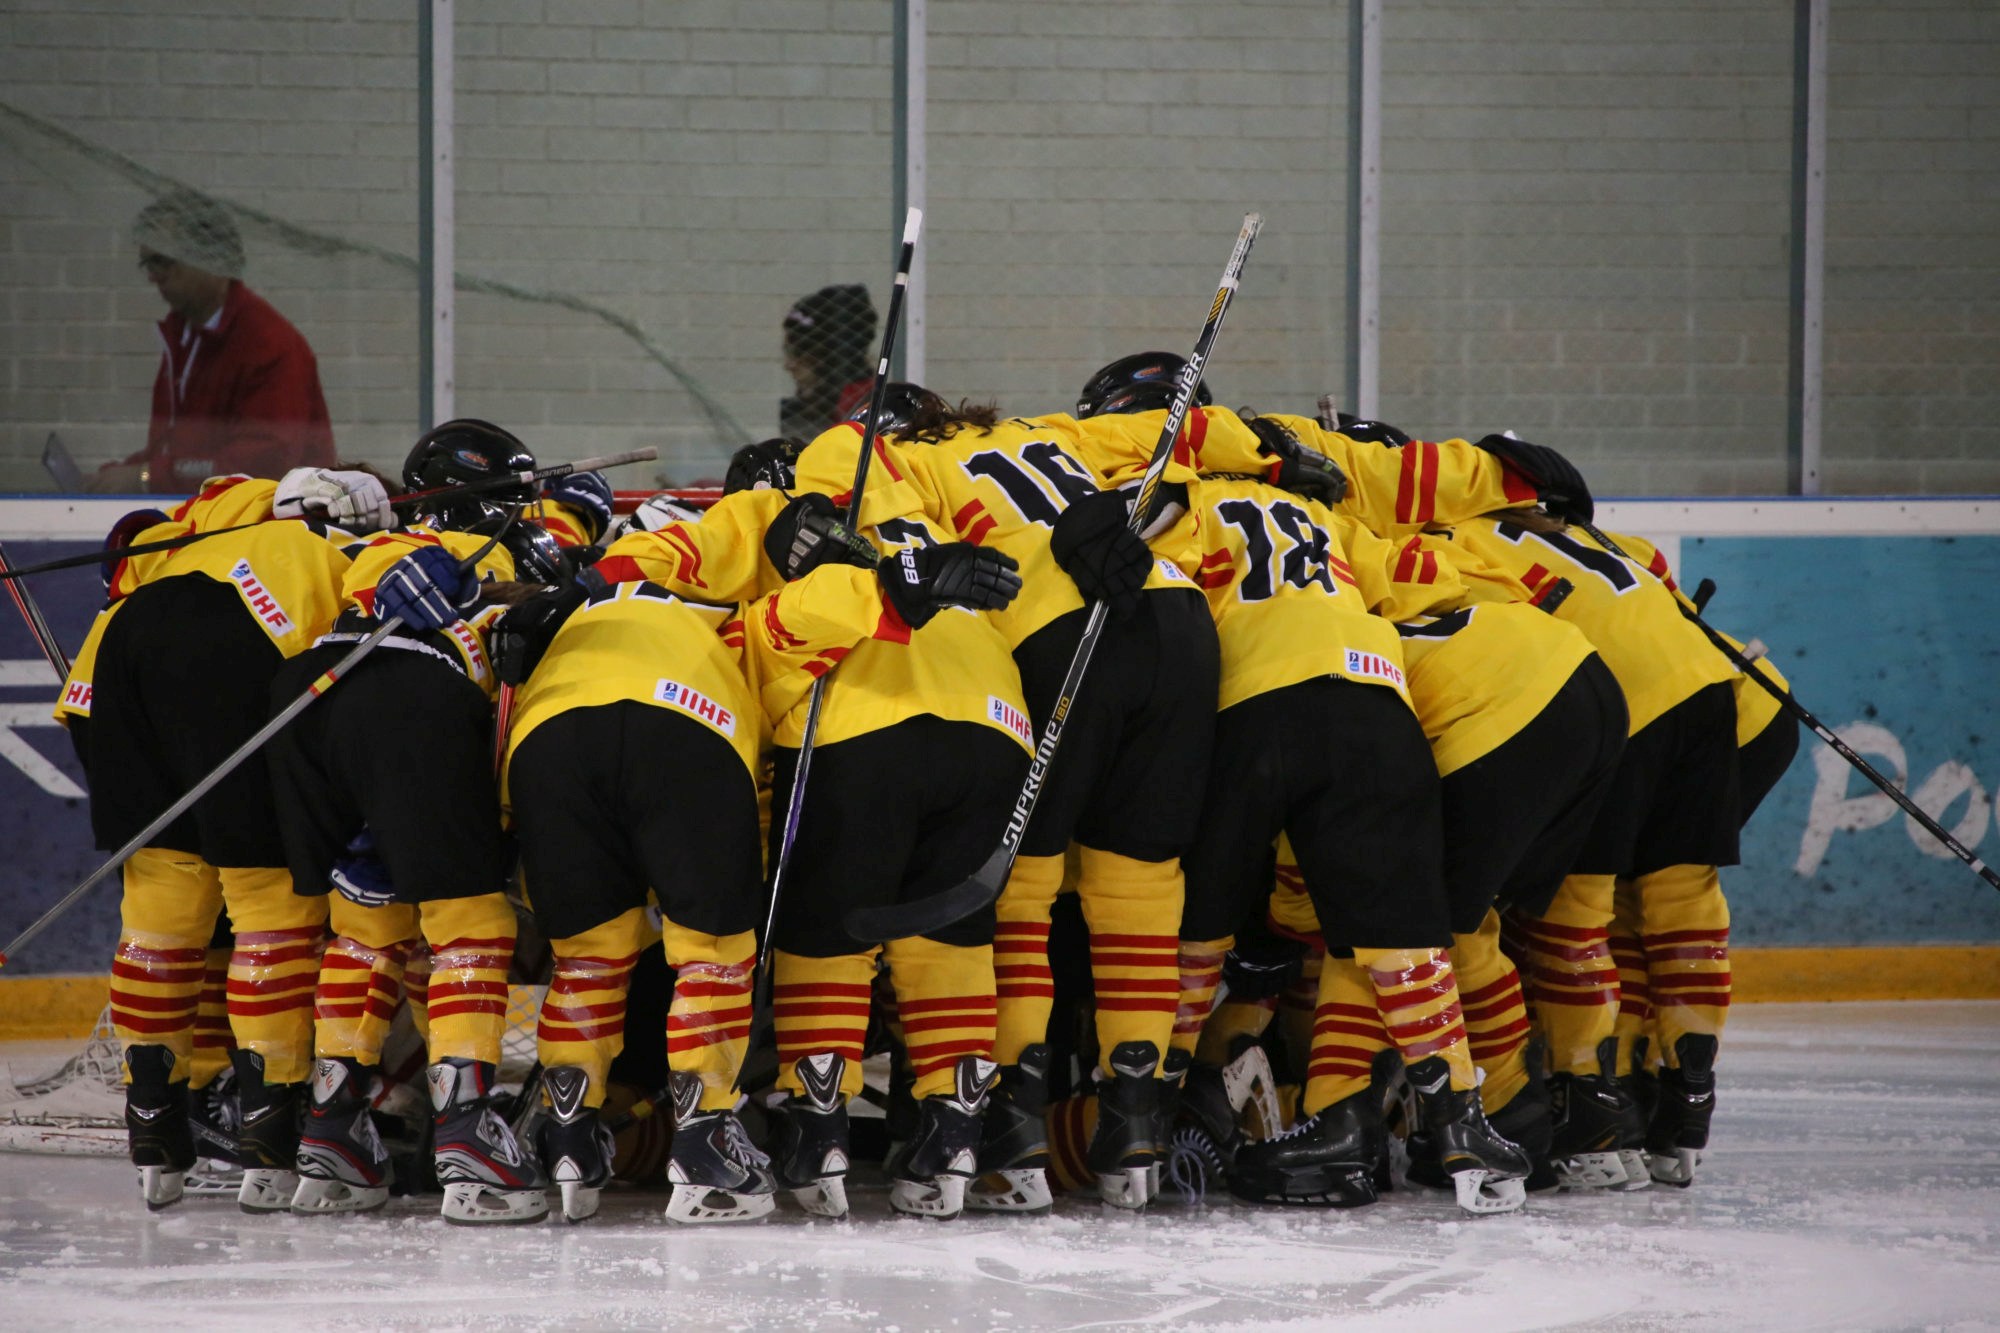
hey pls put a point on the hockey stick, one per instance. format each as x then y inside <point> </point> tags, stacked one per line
<point>1702,592</point>
<point>331,676</point>
<point>549,473</point>
<point>941,909</point>
<point>1790,704</point>
<point>38,624</point>
<point>760,1000</point>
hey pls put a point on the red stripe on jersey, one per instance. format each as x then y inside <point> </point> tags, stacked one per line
<point>892,628</point>
<point>688,568</point>
<point>1194,433</point>
<point>1517,489</point>
<point>969,513</point>
<point>1406,485</point>
<point>783,637</point>
<point>977,533</point>
<point>1536,575</point>
<point>619,569</point>
<point>1425,507</point>
<point>1430,569</point>
<point>1406,559</point>
<point>888,463</point>
<point>824,662</point>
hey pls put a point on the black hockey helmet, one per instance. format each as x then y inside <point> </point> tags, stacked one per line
<point>902,403</point>
<point>462,451</point>
<point>768,465</point>
<point>538,557</point>
<point>1142,382</point>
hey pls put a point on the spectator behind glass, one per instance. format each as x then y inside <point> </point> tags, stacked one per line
<point>828,337</point>
<point>238,388</point>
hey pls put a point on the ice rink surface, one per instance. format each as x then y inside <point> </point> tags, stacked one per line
<point>1853,1183</point>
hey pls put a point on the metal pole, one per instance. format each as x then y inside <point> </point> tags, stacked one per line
<point>1364,206</point>
<point>437,256</point>
<point>910,164</point>
<point>1808,246</point>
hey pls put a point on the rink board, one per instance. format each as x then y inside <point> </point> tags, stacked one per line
<point>1884,613</point>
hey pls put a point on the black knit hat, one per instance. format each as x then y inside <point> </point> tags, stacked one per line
<point>834,326</point>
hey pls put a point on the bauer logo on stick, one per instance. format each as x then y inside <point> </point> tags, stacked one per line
<point>692,701</point>
<point>261,603</point>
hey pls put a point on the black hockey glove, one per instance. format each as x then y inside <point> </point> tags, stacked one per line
<point>808,532</point>
<point>1555,479</point>
<point>920,581</point>
<point>1097,548</point>
<point>1371,432</point>
<point>768,465</point>
<point>522,635</point>
<point>1301,470</point>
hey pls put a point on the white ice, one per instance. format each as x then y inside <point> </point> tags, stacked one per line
<point>1853,1183</point>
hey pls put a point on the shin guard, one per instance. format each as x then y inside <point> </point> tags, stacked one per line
<point>1023,987</point>
<point>1347,1033</point>
<point>274,969</point>
<point>1416,991</point>
<point>1571,976</point>
<point>168,916</point>
<point>360,978</point>
<point>1201,975</point>
<point>1686,941</point>
<point>819,1006</point>
<point>708,1025</point>
<point>1133,909</point>
<point>1496,1019</point>
<point>472,945</point>
<point>944,995</point>
<point>582,1022</point>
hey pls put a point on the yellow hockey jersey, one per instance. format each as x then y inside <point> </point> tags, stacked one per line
<point>462,643</point>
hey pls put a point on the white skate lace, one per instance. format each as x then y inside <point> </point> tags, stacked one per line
<point>740,1146</point>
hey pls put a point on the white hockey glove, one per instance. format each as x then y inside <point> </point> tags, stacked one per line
<point>356,501</point>
<point>653,515</point>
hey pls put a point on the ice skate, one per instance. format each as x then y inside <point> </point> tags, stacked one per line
<point>342,1165</point>
<point>156,1126</point>
<point>1487,1171</point>
<point>933,1169</point>
<point>1328,1160</point>
<point>1523,1121</point>
<point>1122,1150</point>
<point>1252,1089</point>
<point>1679,1129</point>
<point>575,1143</point>
<point>214,1114</point>
<point>810,1150</point>
<point>1201,1131</point>
<point>1591,1118</point>
<point>267,1143</point>
<point>717,1174</point>
<point>487,1176</point>
<point>1014,1140</point>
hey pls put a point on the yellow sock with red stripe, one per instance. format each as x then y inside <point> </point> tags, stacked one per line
<point>1022,985</point>
<point>417,989</point>
<point>212,1039</point>
<point>1201,977</point>
<point>1417,993</point>
<point>708,1025</point>
<point>1347,1033</point>
<point>274,969</point>
<point>582,1020</point>
<point>167,917</point>
<point>1570,973</point>
<point>944,998</point>
<point>1496,1020</point>
<point>359,978</point>
<point>1635,990</point>
<point>1133,909</point>
<point>1686,940</point>
<point>472,946</point>
<point>819,1005</point>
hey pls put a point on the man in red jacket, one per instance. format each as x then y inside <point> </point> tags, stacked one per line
<point>238,387</point>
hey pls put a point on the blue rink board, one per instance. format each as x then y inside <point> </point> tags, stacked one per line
<point>1898,634</point>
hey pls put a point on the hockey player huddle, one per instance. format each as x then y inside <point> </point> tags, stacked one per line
<point>1389,807</point>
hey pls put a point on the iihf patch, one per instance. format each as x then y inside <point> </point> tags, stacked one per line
<point>1013,719</point>
<point>697,705</point>
<point>76,697</point>
<point>1171,572</point>
<point>260,601</point>
<point>1373,666</point>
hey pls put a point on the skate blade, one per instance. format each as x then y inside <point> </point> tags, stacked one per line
<point>1479,1192</point>
<point>941,1197</point>
<point>266,1190</point>
<point>213,1176</point>
<point>1130,1187</point>
<point>326,1197</point>
<point>1589,1170</point>
<point>1636,1176</point>
<point>161,1187</point>
<point>472,1203</point>
<point>1252,1091</point>
<point>1341,1185</point>
<point>1676,1170</point>
<point>1021,1190</point>
<point>825,1197</point>
<point>695,1204</point>
<point>578,1200</point>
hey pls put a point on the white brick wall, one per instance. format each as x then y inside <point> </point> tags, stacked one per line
<point>1585,212</point>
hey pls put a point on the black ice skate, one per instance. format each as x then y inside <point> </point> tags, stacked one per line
<point>1014,1140</point>
<point>717,1174</point>
<point>1122,1152</point>
<point>810,1150</point>
<point>1592,1119</point>
<point>1327,1160</point>
<point>1487,1171</point>
<point>934,1167</point>
<point>267,1143</point>
<point>576,1144</point>
<point>342,1164</point>
<point>1679,1128</point>
<point>156,1125</point>
<point>1202,1135</point>
<point>1523,1121</point>
<point>214,1114</point>
<point>487,1176</point>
